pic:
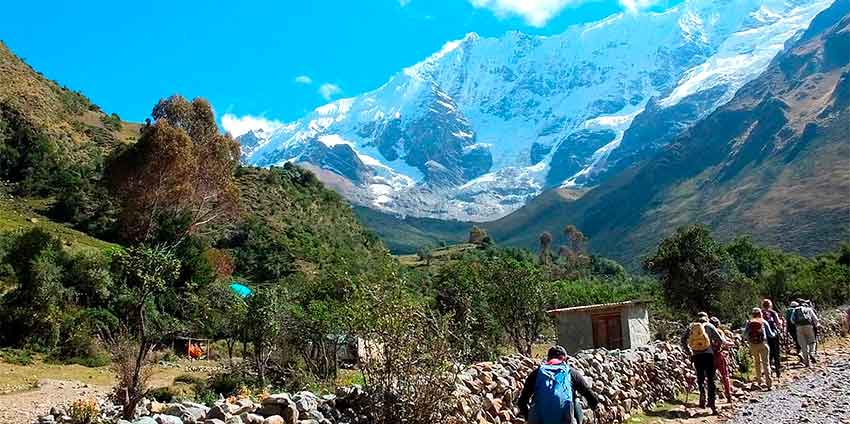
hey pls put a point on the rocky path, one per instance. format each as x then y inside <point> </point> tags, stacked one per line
<point>24,407</point>
<point>822,396</point>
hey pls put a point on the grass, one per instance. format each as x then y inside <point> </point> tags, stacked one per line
<point>17,378</point>
<point>18,214</point>
<point>439,256</point>
<point>662,413</point>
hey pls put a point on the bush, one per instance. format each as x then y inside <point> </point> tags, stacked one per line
<point>84,411</point>
<point>17,357</point>
<point>190,379</point>
<point>230,382</point>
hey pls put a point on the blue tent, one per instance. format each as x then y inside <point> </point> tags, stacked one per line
<point>241,289</point>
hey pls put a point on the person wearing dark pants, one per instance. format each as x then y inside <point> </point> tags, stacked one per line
<point>698,340</point>
<point>770,316</point>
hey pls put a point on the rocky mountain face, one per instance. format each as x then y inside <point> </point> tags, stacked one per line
<point>774,163</point>
<point>486,124</point>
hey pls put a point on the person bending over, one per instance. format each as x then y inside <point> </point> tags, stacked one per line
<point>548,396</point>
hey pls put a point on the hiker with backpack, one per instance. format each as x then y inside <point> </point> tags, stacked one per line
<point>549,394</point>
<point>721,362</point>
<point>757,332</point>
<point>698,339</point>
<point>772,319</point>
<point>792,328</point>
<point>806,321</point>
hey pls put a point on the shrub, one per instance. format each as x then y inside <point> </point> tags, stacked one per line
<point>230,382</point>
<point>190,379</point>
<point>162,394</point>
<point>17,357</point>
<point>84,411</point>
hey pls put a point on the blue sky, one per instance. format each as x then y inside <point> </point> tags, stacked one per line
<point>272,60</point>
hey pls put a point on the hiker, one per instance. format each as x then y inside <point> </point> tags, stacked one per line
<point>772,319</point>
<point>847,319</point>
<point>721,363</point>
<point>698,340</point>
<point>806,321</point>
<point>792,328</point>
<point>551,389</point>
<point>757,332</point>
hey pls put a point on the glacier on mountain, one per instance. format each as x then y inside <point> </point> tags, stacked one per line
<point>480,127</point>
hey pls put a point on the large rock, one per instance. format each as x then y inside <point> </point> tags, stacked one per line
<point>168,419</point>
<point>274,419</point>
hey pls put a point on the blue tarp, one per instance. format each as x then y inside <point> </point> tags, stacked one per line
<point>241,289</point>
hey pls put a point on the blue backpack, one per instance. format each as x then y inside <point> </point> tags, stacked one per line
<point>553,395</point>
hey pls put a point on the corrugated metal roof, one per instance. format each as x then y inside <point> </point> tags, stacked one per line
<point>591,308</point>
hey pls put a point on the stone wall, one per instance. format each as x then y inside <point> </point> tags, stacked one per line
<point>626,381</point>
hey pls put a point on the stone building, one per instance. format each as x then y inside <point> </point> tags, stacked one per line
<point>622,325</point>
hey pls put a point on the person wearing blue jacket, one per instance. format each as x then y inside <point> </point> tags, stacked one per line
<point>555,375</point>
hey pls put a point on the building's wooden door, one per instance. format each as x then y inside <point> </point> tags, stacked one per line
<point>607,331</point>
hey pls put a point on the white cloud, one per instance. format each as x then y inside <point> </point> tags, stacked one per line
<point>328,90</point>
<point>403,2</point>
<point>535,12</point>
<point>304,79</point>
<point>635,6</point>
<point>238,125</point>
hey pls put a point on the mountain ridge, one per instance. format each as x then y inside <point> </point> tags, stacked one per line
<point>470,133</point>
<point>772,163</point>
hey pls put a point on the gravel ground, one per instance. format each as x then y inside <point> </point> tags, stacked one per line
<point>24,407</point>
<point>820,397</point>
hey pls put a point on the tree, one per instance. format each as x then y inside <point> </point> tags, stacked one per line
<point>479,236</point>
<point>32,312</point>
<point>263,327</point>
<point>462,296</point>
<point>697,274</point>
<point>545,242</point>
<point>519,294</point>
<point>575,238</point>
<point>409,363</point>
<point>425,255</point>
<point>180,167</point>
<point>142,273</point>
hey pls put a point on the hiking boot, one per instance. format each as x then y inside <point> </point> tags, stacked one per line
<point>713,411</point>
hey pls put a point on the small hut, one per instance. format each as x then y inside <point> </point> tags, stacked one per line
<point>623,325</point>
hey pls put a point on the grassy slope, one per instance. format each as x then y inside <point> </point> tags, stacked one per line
<point>18,214</point>
<point>407,235</point>
<point>749,168</point>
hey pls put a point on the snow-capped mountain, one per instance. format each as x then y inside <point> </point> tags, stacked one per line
<point>480,127</point>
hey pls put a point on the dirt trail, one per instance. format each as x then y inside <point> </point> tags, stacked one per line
<point>820,394</point>
<point>24,407</point>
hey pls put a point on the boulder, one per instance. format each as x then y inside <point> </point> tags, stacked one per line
<point>274,419</point>
<point>144,420</point>
<point>168,419</point>
<point>252,419</point>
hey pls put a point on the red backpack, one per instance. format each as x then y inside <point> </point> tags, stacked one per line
<point>757,330</point>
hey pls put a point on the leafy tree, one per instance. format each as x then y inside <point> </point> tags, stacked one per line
<point>142,273</point>
<point>575,238</point>
<point>462,291</point>
<point>545,242</point>
<point>409,366</point>
<point>32,312</point>
<point>698,274</point>
<point>264,325</point>
<point>519,294</point>
<point>180,167</point>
